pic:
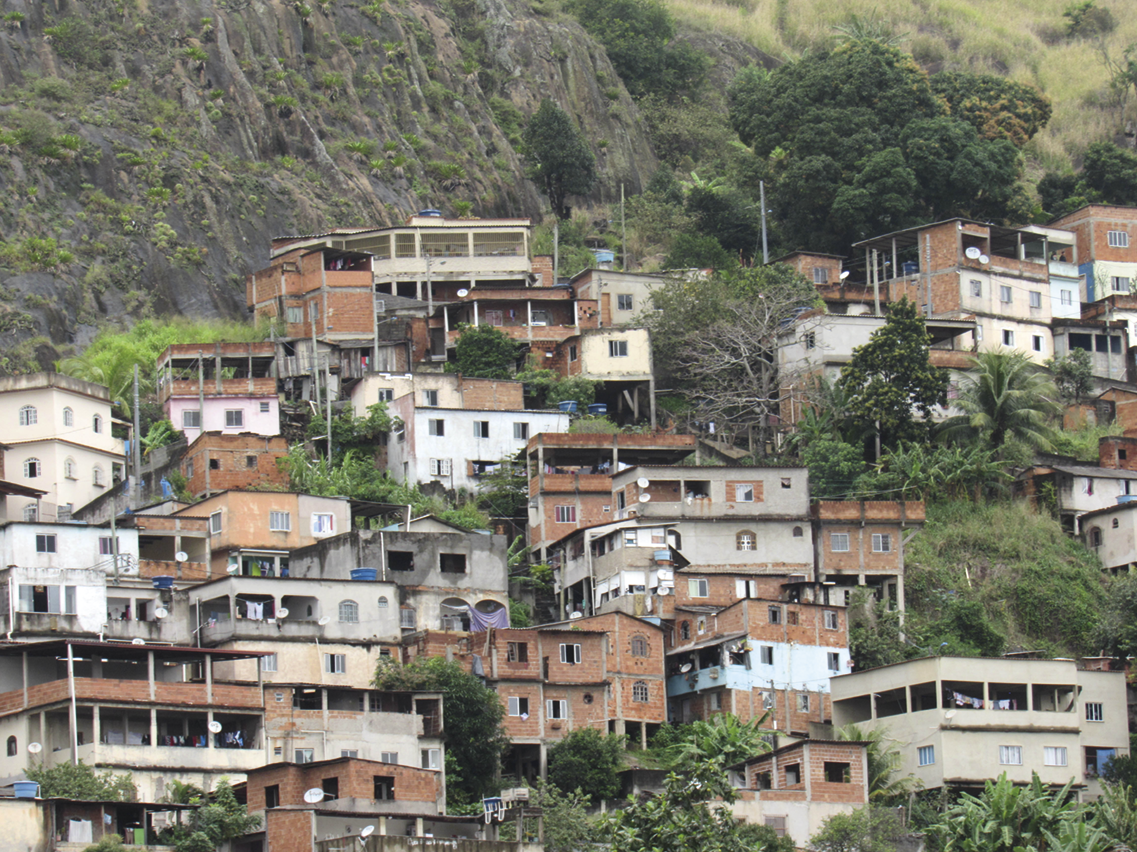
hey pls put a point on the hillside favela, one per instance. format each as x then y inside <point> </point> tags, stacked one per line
<point>568,425</point>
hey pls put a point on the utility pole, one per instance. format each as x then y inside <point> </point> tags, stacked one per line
<point>623,228</point>
<point>136,446</point>
<point>762,201</point>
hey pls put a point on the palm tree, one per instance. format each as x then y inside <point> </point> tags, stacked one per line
<point>882,763</point>
<point>1006,397</point>
<point>725,737</point>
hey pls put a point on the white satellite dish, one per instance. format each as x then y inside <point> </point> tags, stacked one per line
<point>324,620</point>
<point>34,748</point>
<point>643,482</point>
<point>663,591</point>
<point>161,612</point>
<point>844,274</point>
<point>138,641</point>
<point>215,727</point>
<point>282,612</point>
<point>984,259</point>
<point>686,667</point>
<point>314,795</point>
<point>644,498</point>
<point>366,832</point>
<point>233,568</point>
<point>973,252</point>
<point>181,556</point>
<point>576,615</point>
<point>463,293</point>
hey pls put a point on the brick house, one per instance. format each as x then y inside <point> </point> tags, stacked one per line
<point>218,461</point>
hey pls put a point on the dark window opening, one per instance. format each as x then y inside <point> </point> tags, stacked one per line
<point>251,462</point>
<point>793,774</point>
<point>1082,341</point>
<point>331,787</point>
<point>453,563</point>
<point>762,781</point>
<point>400,560</point>
<point>215,464</point>
<point>384,788</point>
<point>272,796</point>
<point>306,699</point>
<point>838,773</point>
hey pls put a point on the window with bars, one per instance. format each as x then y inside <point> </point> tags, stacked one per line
<point>926,755</point>
<point>881,543</point>
<point>839,542</point>
<point>640,692</point>
<point>1117,239</point>
<point>565,514</point>
<point>280,521</point>
<point>349,612</point>
<point>1094,712</point>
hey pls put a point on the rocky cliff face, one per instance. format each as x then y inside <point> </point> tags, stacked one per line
<point>161,143</point>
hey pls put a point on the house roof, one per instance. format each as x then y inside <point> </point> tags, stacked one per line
<point>707,643</point>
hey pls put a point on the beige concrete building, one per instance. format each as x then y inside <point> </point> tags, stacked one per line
<point>961,721</point>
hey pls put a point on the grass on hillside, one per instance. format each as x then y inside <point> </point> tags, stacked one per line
<point>1023,39</point>
<point>1039,588</point>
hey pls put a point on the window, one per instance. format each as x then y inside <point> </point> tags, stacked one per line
<point>639,692</point>
<point>1035,299</point>
<point>1036,342</point>
<point>830,619</point>
<point>810,339</point>
<point>272,796</point>
<point>323,523</point>
<point>294,313</point>
<point>744,540</point>
<point>556,708</point>
<point>572,352</point>
<point>234,418</point>
<point>926,755</point>
<point>701,624</point>
<point>31,513</point>
<point>881,543</point>
<point>436,427</point>
<point>1093,708</point>
<point>838,773</point>
<point>430,398</point>
<point>1008,337</point>
<point>452,563</point>
<point>1054,755</point>
<point>106,545</point>
<point>440,467</point>
<point>685,630</point>
<point>839,542</point>
<point>623,302</point>
<point>1120,283</point>
<point>1005,294</point>
<point>774,615</point>
<point>349,612</point>
<point>744,493</point>
<point>386,394</point>
<point>1066,297</point>
<point>639,646</point>
<point>46,544</point>
<point>766,653</point>
<point>481,428</point>
<point>389,757</point>
<point>517,652</point>
<point>191,419</point>
<point>305,755</point>
<point>251,462</point>
<point>264,408</point>
<point>1117,239</point>
<point>97,423</point>
<point>407,618</point>
<point>1011,755</point>
<point>335,663</point>
<point>215,522</point>
<point>820,275</point>
<point>976,287</point>
<point>565,514</point>
<point>32,468</point>
<point>518,706</point>
<point>570,654</point>
<point>313,311</point>
<point>68,417</point>
<point>787,482</point>
<point>521,431</point>
<point>778,823</point>
<point>617,349</point>
<point>834,660</point>
<point>791,616</point>
<point>28,416</point>
<point>280,521</point>
<point>384,788</point>
<point>698,588</point>
<point>268,664</point>
<point>1095,541</point>
<point>431,758</point>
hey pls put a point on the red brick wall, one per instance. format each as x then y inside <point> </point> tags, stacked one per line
<point>821,790</point>
<point>1110,449</point>
<point>491,395</point>
<point>356,780</point>
<point>542,264</point>
<point>290,831</point>
<point>232,452</point>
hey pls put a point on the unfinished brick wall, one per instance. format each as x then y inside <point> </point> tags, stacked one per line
<point>290,831</point>
<point>224,460</point>
<point>355,777</point>
<point>491,395</point>
<point>1118,453</point>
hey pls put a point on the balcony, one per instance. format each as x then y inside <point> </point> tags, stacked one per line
<point>251,386</point>
<point>566,482</point>
<point>716,677</point>
<point>247,696</point>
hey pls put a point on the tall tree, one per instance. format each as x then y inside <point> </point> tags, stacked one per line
<point>891,385</point>
<point>485,352</point>
<point>1005,397</point>
<point>558,158</point>
<point>588,761</point>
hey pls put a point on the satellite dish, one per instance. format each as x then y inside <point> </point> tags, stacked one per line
<point>324,620</point>
<point>215,727</point>
<point>366,832</point>
<point>181,556</point>
<point>34,748</point>
<point>663,591</point>
<point>984,259</point>
<point>973,252</point>
<point>161,612</point>
<point>282,612</point>
<point>233,568</point>
<point>686,667</point>
<point>314,795</point>
<point>643,482</point>
<point>949,715</point>
<point>138,641</point>
<point>844,274</point>
<point>644,498</point>
<point>576,615</point>
<point>463,293</point>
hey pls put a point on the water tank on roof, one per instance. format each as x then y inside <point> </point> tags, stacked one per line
<point>911,267</point>
<point>431,212</point>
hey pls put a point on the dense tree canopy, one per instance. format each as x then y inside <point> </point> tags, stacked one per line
<point>856,141</point>
<point>558,158</point>
<point>588,761</point>
<point>485,352</point>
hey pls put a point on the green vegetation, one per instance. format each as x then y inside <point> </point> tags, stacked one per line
<point>80,781</point>
<point>484,352</point>
<point>475,740</point>
<point>588,762</point>
<point>558,158</point>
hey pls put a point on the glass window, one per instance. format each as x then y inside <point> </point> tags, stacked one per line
<point>1066,297</point>
<point>68,417</point>
<point>839,542</point>
<point>976,287</point>
<point>28,416</point>
<point>1008,337</point>
<point>1054,755</point>
<point>565,514</point>
<point>280,521</point>
<point>46,544</point>
<point>383,603</point>
<point>926,755</point>
<point>881,543</point>
<point>349,612</point>
<point>639,646</point>
<point>268,664</point>
<point>1094,712</point>
<point>481,428</point>
<point>820,275</point>
<point>191,419</point>
<point>1035,299</point>
<point>430,398</point>
<point>31,513</point>
<point>234,418</point>
<point>570,654</point>
<point>97,423</point>
<point>744,493</point>
<point>617,349</point>
<point>640,692</point>
<point>803,702</point>
<point>32,468</point>
<point>1118,239</point>
<point>440,467</point>
<point>436,427</point>
<point>432,758</point>
<point>1005,294</point>
<point>521,431</point>
<point>830,619</point>
<point>215,522</point>
<point>556,709</point>
<point>1036,342</point>
<point>624,302</point>
<point>698,587</point>
<point>774,615</point>
<point>335,663</point>
<point>1011,755</point>
<point>323,523</point>
<point>518,706</point>
<point>305,755</point>
<point>97,476</point>
<point>834,661</point>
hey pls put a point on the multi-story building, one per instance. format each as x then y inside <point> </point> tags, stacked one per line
<point>219,461</point>
<point>1073,488</point>
<point>1105,249</point>
<point>228,388</point>
<point>620,297</point>
<point>960,721</point>
<point>57,439</point>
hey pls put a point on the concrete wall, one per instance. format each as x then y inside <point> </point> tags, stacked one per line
<point>26,825</point>
<point>597,361</point>
<point>76,546</point>
<point>213,419</point>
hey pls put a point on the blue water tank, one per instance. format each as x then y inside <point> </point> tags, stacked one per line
<point>164,582</point>
<point>430,211</point>
<point>568,405</point>
<point>910,267</point>
<point>366,574</point>
<point>598,408</point>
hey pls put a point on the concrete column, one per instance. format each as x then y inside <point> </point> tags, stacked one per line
<point>43,728</point>
<point>24,665</point>
<point>153,727</point>
<point>150,672</point>
<point>419,830</point>
<point>208,733</point>
<point>208,667</point>
<point>382,829</point>
<point>543,761</point>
